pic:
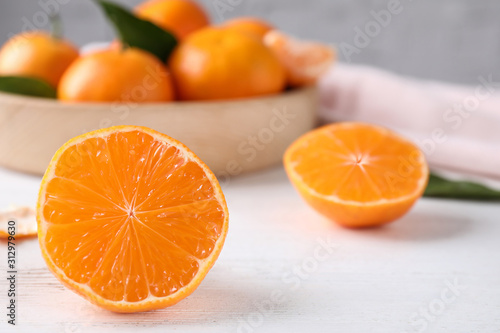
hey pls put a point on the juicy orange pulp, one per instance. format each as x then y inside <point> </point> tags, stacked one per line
<point>130,219</point>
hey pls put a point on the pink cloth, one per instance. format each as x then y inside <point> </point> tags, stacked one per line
<point>457,127</point>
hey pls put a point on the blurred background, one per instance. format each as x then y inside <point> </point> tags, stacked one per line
<point>451,40</point>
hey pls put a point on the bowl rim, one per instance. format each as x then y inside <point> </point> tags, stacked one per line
<point>40,101</point>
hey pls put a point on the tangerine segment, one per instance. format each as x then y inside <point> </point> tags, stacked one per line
<point>130,219</point>
<point>357,174</point>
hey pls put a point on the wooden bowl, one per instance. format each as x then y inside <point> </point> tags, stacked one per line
<point>232,137</point>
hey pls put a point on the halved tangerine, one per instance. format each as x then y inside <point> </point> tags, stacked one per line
<point>356,174</point>
<point>130,218</point>
<point>305,61</point>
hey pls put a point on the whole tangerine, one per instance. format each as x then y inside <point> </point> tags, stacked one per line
<point>181,17</point>
<point>37,54</point>
<point>129,75</point>
<point>217,63</point>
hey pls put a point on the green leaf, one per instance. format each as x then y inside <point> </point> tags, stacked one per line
<point>28,86</point>
<point>136,32</point>
<point>443,188</point>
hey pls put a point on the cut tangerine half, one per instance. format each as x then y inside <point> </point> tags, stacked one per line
<point>130,218</point>
<point>304,61</point>
<point>356,174</point>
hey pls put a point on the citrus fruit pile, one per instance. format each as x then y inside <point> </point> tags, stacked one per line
<point>243,57</point>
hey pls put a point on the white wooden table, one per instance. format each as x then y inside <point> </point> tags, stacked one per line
<point>284,268</point>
